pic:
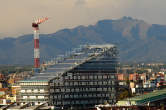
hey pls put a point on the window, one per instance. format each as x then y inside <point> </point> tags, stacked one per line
<point>104,82</point>
<point>113,89</point>
<point>96,83</point>
<point>29,90</point>
<point>77,90</point>
<point>59,96</point>
<point>99,89</point>
<point>71,90</point>
<point>105,77</point>
<point>93,89</point>
<point>100,77</point>
<point>75,96</point>
<point>35,90</point>
<point>66,77</point>
<point>95,77</point>
<point>113,82</point>
<point>41,90</point>
<point>77,102</point>
<point>51,90</point>
<point>104,89</point>
<point>55,96</point>
<point>91,83</point>
<point>109,89</point>
<point>51,84</point>
<point>112,95</point>
<point>100,83</point>
<point>22,91</point>
<point>98,95</point>
<point>91,77</point>
<point>75,83</point>
<point>71,96</point>
<point>87,89</point>
<point>70,74</point>
<point>57,90</point>
<point>62,90</point>
<point>85,95</point>
<point>80,83</point>
<point>67,90</point>
<point>109,82</point>
<point>83,83</point>
<point>24,97</point>
<point>112,76</point>
<point>66,96</point>
<point>83,77</point>
<point>66,83</point>
<point>58,102</point>
<point>32,97</point>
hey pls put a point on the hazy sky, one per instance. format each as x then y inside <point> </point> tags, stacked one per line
<point>16,16</point>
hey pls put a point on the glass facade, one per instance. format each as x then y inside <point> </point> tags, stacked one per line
<point>91,83</point>
<point>83,79</point>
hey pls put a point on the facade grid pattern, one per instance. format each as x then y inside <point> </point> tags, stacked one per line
<point>83,79</point>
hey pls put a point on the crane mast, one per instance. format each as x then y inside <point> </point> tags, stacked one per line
<point>35,26</point>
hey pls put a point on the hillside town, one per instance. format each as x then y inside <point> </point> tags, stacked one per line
<point>9,87</point>
<point>133,80</point>
<point>83,55</point>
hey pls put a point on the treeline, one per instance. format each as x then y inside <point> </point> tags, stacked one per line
<point>14,69</point>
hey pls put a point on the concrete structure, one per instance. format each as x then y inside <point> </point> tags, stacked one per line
<point>84,78</point>
<point>35,91</point>
<point>122,77</point>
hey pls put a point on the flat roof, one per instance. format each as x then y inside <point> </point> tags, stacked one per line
<point>149,97</point>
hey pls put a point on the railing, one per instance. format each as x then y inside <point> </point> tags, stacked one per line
<point>37,99</point>
<point>35,94</point>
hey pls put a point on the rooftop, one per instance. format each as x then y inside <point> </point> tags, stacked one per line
<point>65,63</point>
<point>146,98</point>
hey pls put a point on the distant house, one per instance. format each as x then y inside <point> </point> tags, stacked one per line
<point>121,77</point>
<point>133,77</point>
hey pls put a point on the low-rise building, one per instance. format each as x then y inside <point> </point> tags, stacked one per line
<point>122,77</point>
<point>134,77</point>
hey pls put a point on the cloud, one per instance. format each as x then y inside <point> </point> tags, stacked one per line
<point>80,2</point>
<point>17,15</point>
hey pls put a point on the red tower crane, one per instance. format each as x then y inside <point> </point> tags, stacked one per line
<point>35,26</point>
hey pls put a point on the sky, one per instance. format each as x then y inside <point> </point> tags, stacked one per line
<point>16,16</point>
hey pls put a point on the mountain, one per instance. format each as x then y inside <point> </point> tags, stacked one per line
<point>137,41</point>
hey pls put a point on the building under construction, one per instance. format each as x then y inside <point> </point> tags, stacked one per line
<point>83,78</point>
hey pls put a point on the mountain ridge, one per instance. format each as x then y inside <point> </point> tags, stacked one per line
<point>137,40</point>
